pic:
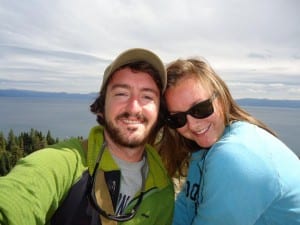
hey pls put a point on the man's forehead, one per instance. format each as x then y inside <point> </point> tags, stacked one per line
<point>127,77</point>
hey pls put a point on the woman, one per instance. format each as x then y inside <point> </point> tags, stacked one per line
<point>239,171</point>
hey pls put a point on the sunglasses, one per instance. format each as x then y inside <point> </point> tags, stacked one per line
<point>200,111</point>
<point>93,201</point>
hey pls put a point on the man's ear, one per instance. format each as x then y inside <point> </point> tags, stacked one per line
<point>100,118</point>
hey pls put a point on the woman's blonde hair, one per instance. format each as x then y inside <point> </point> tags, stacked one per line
<point>174,148</point>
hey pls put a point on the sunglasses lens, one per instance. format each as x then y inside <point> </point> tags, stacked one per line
<point>176,120</point>
<point>199,111</point>
<point>202,110</point>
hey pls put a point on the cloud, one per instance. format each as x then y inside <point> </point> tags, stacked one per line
<point>66,45</point>
<point>48,70</point>
<point>259,55</point>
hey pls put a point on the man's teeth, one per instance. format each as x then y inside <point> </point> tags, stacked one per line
<point>132,121</point>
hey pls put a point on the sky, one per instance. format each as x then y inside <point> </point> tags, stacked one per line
<point>65,45</point>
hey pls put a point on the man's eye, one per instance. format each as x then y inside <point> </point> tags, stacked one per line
<point>120,94</point>
<point>148,97</point>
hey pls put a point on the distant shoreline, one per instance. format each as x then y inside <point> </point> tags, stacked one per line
<point>89,96</point>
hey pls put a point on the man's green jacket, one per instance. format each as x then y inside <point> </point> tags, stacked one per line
<point>50,187</point>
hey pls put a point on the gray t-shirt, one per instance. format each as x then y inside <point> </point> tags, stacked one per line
<point>131,181</point>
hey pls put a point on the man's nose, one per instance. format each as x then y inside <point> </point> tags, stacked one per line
<point>134,105</point>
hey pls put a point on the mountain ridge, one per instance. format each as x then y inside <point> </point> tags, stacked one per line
<point>262,102</point>
<point>43,94</point>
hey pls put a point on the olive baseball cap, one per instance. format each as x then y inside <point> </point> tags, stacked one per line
<point>134,55</point>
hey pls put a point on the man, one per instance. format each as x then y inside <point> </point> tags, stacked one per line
<point>112,177</point>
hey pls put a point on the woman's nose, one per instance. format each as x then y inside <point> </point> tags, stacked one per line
<point>191,121</point>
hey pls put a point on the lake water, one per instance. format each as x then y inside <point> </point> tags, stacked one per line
<point>71,118</point>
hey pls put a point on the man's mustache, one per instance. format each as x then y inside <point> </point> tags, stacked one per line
<point>127,115</point>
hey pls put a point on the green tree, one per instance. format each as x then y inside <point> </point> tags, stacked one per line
<point>2,143</point>
<point>11,141</point>
<point>35,140</point>
<point>49,138</point>
<point>27,143</point>
<point>13,147</point>
<point>4,159</point>
<point>5,164</point>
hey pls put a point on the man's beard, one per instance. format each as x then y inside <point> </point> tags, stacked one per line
<point>116,134</point>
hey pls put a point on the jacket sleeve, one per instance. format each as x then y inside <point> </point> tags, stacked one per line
<point>32,191</point>
<point>238,186</point>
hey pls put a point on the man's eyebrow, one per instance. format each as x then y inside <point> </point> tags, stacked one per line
<point>120,86</point>
<point>150,90</point>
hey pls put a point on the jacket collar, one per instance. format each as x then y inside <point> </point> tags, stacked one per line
<point>157,175</point>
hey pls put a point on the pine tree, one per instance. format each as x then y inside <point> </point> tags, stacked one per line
<point>16,147</point>
<point>13,148</point>
<point>11,141</point>
<point>49,138</point>
<point>4,159</point>
<point>2,143</point>
<point>5,164</point>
